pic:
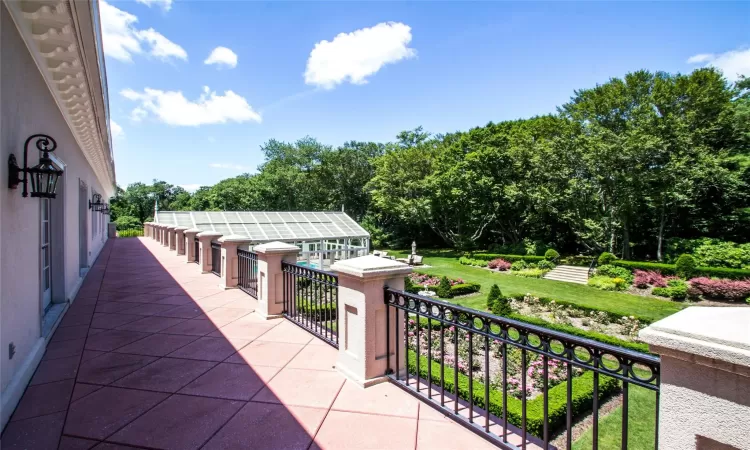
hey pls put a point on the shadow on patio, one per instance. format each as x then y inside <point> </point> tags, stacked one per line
<point>152,354</point>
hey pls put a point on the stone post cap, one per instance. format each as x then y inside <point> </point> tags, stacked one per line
<point>170,227</point>
<point>234,238</point>
<point>211,234</point>
<point>276,247</point>
<point>192,230</point>
<point>181,228</point>
<point>371,266</point>
<point>714,333</point>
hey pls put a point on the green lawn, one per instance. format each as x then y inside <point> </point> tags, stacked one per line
<point>641,419</point>
<point>446,263</point>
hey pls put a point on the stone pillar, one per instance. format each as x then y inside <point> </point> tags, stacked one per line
<point>145,229</point>
<point>179,233</point>
<point>705,378</point>
<point>189,245</point>
<point>229,262</point>
<point>111,230</point>
<point>270,277</point>
<point>171,237</point>
<point>161,233</point>
<point>204,241</point>
<point>362,317</point>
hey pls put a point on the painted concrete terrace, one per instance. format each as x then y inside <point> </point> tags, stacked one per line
<point>152,354</point>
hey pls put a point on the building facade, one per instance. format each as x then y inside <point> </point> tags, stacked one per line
<point>53,82</point>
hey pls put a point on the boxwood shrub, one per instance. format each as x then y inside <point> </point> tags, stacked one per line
<point>582,398</point>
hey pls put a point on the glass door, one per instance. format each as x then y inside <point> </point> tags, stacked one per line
<point>45,256</point>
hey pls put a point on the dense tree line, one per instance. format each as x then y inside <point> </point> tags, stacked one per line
<point>622,167</point>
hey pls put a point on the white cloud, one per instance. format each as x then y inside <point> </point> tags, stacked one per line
<point>166,5</point>
<point>116,129</point>
<point>222,56</point>
<point>191,187</point>
<point>355,56</point>
<point>122,39</point>
<point>173,108</point>
<point>138,114</point>
<point>229,166</point>
<point>732,63</point>
<point>162,47</point>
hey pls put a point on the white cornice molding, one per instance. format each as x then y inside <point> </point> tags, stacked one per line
<point>54,35</point>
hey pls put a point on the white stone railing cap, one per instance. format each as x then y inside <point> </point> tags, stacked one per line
<point>180,228</point>
<point>714,333</point>
<point>209,234</point>
<point>193,230</point>
<point>234,238</point>
<point>276,247</point>
<point>371,266</point>
<point>171,227</point>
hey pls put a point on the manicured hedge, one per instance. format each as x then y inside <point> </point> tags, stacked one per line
<point>133,232</point>
<point>582,399</point>
<point>669,269</point>
<point>464,289</point>
<point>509,258</point>
<point>324,311</point>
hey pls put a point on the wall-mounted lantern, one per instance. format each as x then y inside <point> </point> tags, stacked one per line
<point>96,202</point>
<point>44,176</point>
<point>105,209</point>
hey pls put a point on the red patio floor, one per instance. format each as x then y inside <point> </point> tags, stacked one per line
<point>152,354</point>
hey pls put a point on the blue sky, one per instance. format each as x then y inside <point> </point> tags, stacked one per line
<point>445,66</point>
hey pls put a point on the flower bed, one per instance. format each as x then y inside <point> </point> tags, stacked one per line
<point>416,282</point>
<point>582,382</point>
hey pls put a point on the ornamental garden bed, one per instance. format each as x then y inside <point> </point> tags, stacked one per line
<point>430,355</point>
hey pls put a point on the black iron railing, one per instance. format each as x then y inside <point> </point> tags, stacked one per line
<point>517,384</point>
<point>311,300</point>
<point>216,258</point>
<point>247,278</point>
<point>196,251</point>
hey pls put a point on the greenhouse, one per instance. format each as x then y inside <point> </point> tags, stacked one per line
<point>323,237</point>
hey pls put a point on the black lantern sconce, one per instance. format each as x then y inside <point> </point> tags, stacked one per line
<point>105,209</point>
<point>44,176</point>
<point>96,202</point>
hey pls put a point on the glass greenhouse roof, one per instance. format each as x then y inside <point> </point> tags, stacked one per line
<point>263,226</point>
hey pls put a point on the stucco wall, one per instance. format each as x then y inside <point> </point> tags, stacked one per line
<point>27,107</point>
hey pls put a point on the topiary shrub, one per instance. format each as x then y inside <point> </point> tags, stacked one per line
<point>685,266</point>
<point>492,297</point>
<point>606,258</point>
<point>518,265</point>
<point>545,265</point>
<point>443,289</point>
<point>551,255</point>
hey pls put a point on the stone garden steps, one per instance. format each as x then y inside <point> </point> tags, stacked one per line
<point>570,274</point>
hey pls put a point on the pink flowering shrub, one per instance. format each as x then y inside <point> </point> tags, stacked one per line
<point>646,278</point>
<point>733,290</point>
<point>499,264</point>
